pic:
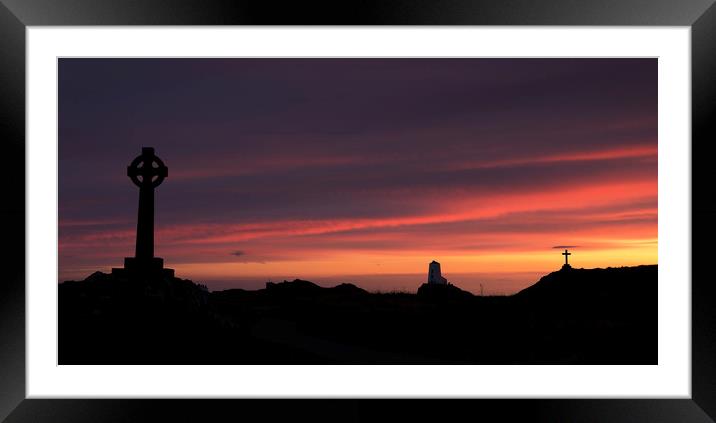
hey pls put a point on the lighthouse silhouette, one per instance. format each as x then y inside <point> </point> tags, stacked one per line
<point>434,274</point>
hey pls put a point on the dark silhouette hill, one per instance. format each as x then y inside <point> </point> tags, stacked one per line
<point>572,316</point>
<point>610,293</point>
<point>299,288</point>
<point>573,283</point>
<point>443,292</point>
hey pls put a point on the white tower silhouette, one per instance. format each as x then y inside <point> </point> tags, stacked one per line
<point>434,275</point>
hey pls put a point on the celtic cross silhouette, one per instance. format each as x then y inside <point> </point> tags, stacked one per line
<point>146,171</point>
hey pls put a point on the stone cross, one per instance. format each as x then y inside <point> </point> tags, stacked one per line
<point>566,255</point>
<point>146,171</point>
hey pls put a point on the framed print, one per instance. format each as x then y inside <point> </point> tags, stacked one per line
<point>506,205</point>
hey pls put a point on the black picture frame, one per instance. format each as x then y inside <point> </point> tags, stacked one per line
<point>16,15</point>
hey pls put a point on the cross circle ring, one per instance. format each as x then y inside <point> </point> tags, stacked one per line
<point>144,166</point>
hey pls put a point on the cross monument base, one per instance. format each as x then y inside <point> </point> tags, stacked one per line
<point>152,267</point>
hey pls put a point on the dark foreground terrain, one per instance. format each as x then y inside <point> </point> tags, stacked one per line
<point>573,316</point>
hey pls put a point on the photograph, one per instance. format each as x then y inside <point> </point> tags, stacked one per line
<point>358,210</point>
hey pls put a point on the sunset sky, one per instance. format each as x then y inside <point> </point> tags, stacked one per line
<point>362,170</point>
